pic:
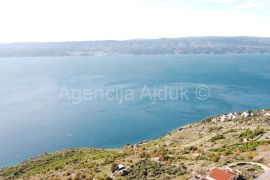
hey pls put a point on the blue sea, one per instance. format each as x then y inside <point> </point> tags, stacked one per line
<point>54,103</point>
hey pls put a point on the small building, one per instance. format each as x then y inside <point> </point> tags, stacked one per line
<point>121,170</point>
<point>120,167</point>
<point>221,174</point>
<point>245,114</point>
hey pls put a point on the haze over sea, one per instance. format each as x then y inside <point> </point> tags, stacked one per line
<point>35,120</point>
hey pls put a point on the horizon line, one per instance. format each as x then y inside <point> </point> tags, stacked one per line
<point>119,40</point>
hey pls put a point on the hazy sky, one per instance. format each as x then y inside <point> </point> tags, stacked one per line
<point>68,20</point>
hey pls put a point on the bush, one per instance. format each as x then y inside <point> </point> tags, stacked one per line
<point>215,158</point>
<point>201,157</point>
<point>113,167</point>
<point>249,134</point>
<point>252,145</point>
<point>215,128</point>
<point>250,155</point>
<point>213,139</point>
<point>189,149</point>
<point>145,169</point>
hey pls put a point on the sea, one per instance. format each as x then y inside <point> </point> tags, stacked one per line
<point>54,103</point>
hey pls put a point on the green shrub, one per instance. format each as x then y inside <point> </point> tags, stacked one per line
<point>189,149</point>
<point>201,157</point>
<point>215,128</point>
<point>213,139</point>
<point>146,169</point>
<point>249,134</point>
<point>252,145</point>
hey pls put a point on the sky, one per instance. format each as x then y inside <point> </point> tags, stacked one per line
<point>82,20</point>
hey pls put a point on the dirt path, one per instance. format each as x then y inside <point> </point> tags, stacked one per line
<point>264,136</point>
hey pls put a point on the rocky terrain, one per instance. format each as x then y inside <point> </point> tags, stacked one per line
<point>186,153</point>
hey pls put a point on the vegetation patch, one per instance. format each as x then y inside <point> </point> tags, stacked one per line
<point>147,169</point>
<point>249,134</point>
<point>181,154</point>
<point>215,138</point>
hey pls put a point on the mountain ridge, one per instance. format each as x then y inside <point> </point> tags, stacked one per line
<point>185,45</point>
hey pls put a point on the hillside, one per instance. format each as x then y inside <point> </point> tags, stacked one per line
<point>187,152</point>
<point>192,45</point>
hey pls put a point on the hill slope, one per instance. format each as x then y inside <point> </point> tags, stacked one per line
<point>185,153</point>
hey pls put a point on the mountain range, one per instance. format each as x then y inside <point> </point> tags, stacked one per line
<point>189,45</point>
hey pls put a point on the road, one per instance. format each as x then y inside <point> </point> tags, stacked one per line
<point>263,176</point>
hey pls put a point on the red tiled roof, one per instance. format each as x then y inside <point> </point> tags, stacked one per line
<point>220,174</point>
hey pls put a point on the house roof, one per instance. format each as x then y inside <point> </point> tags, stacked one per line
<point>220,174</point>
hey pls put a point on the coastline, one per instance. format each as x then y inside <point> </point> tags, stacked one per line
<point>185,152</point>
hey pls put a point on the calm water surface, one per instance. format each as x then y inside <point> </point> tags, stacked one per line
<point>34,120</point>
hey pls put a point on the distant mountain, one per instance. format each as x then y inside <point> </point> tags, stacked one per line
<point>192,45</point>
